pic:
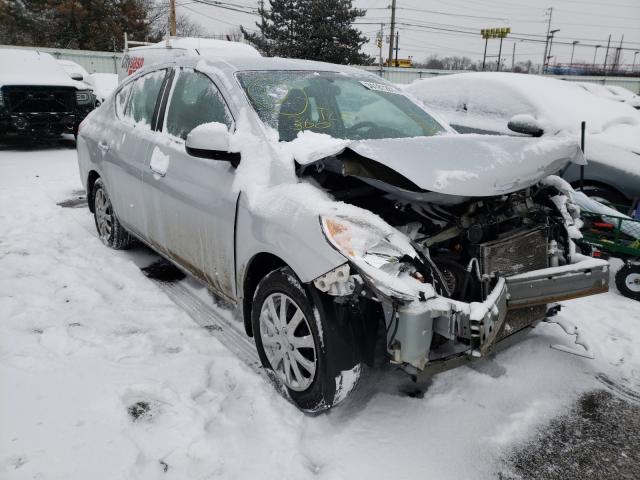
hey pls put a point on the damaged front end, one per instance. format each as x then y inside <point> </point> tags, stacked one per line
<point>455,276</point>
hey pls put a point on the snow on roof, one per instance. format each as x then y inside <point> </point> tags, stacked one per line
<point>557,104</point>
<point>30,67</point>
<point>205,47</point>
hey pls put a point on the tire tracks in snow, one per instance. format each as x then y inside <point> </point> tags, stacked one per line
<point>208,318</point>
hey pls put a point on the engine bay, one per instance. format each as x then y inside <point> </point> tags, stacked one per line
<point>465,243</point>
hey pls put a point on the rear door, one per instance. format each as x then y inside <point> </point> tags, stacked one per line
<point>190,200</point>
<point>127,145</point>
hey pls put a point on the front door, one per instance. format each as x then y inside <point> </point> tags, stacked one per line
<point>126,148</point>
<point>191,205</point>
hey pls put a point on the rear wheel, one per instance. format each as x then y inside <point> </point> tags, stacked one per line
<point>293,340</point>
<point>110,231</point>
<point>628,281</point>
<point>604,194</point>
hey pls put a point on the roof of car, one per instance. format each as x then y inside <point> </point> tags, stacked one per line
<point>268,63</point>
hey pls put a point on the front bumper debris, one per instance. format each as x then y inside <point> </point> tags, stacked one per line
<point>478,327</point>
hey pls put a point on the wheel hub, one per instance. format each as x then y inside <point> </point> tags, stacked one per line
<point>633,282</point>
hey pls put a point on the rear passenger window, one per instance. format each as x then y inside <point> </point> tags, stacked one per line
<point>121,100</point>
<point>144,94</point>
<point>195,100</point>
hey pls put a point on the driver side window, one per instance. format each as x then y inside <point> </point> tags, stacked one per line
<point>195,100</point>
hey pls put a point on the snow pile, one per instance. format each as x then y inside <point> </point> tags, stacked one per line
<point>86,342</point>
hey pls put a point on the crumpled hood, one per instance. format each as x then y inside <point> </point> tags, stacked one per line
<point>464,165</point>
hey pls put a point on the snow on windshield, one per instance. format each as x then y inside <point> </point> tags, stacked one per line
<point>339,105</point>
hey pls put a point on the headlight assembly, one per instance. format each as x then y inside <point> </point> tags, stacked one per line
<point>83,97</point>
<point>377,251</point>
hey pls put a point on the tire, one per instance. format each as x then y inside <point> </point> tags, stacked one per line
<point>628,281</point>
<point>110,231</point>
<point>323,379</point>
<point>609,195</point>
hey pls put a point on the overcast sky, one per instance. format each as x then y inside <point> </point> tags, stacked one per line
<point>449,28</point>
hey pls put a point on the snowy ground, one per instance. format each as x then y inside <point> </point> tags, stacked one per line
<point>84,336</point>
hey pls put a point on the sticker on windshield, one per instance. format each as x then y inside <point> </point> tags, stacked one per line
<point>380,87</point>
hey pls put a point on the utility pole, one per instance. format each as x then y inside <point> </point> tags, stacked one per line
<point>606,55</point>
<point>172,18</point>
<point>513,57</point>
<point>616,63</point>
<point>499,54</point>
<point>575,42</point>
<point>379,40</point>
<point>552,32</point>
<point>484,57</point>
<point>546,45</point>
<point>397,47</point>
<point>393,30</point>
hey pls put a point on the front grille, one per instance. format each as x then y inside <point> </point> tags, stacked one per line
<point>32,99</point>
<point>519,253</point>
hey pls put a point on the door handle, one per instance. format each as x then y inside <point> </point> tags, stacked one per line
<point>104,146</point>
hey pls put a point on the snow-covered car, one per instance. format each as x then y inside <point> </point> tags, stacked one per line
<point>627,95</point>
<point>519,104</point>
<point>102,85</point>
<point>336,214</point>
<point>38,97</point>
<point>74,70</point>
<point>611,92</point>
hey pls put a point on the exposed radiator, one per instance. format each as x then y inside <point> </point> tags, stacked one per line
<point>519,253</point>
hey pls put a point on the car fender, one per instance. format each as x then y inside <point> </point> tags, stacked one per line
<point>296,238</point>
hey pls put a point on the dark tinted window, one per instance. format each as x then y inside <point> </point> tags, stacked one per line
<point>144,93</point>
<point>195,100</point>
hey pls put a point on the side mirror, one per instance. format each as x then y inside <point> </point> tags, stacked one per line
<point>77,76</point>
<point>211,140</point>
<point>525,124</point>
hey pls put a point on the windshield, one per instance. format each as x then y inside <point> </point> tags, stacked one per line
<point>343,106</point>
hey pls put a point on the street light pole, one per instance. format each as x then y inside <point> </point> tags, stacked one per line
<point>575,42</point>
<point>594,55</point>
<point>633,67</point>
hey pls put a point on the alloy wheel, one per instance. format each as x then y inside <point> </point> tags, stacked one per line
<point>288,342</point>
<point>104,213</point>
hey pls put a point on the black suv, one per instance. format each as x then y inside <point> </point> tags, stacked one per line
<point>38,97</point>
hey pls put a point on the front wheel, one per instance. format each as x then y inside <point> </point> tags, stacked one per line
<point>628,281</point>
<point>294,341</point>
<point>110,231</point>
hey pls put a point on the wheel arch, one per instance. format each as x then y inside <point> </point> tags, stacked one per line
<point>257,268</point>
<point>91,181</point>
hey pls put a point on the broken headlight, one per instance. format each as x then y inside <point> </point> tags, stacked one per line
<point>377,251</point>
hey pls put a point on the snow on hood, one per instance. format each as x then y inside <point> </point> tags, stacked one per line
<point>465,165</point>
<point>28,67</point>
